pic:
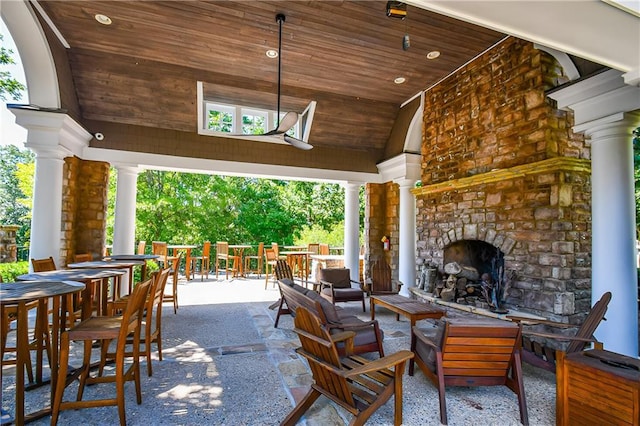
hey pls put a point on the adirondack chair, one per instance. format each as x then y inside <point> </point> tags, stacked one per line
<point>357,384</point>
<point>380,281</point>
<point>544,356</point>
<point>471,352</point>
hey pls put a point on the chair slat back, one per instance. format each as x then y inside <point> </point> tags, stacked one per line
<point>479,348</point>
<point>314,248</point>
<point>381,277</point>
<point>590,324</point>
<point>317,346</point>
<point>206,248</point>
<point>83,257</point>
<point>135,307</point>
<point>222,250</point>
<point>283,270</point>
<point>43,265</point>
<point>324,249</point>
<point>141,246</point>
<point>270,255</point>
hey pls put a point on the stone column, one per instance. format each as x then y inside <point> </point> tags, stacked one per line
<point>407,243</point>
<point>124,226</point>
<point>613,229</point>
<point>352,229</point>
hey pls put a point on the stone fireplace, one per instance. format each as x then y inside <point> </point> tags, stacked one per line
<point>502,171</point>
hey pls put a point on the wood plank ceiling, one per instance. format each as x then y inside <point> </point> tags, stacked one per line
<point>142,69</point>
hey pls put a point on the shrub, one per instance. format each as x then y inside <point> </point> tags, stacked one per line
<point>9,271</point>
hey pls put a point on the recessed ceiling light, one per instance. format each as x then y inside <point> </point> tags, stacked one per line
<point>399,80</point>
<point>272,53</point>
<point>433,54</point>
<point>103,19</point>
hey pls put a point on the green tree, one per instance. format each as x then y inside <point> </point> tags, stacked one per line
<point>16,183</point>
<point>8,85</point>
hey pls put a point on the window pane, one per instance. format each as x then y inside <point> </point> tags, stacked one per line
<point>253,124</point>
<point>220,121</point>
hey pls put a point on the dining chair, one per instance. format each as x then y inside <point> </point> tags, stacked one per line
<point>259,258</point>
<point>173,264</point>
<point>142,245</point>
<point>74,302</point>
<point>270,260</point>
<point>103,329</point>
<point>151,324</point>
<point>82,257</point>
<point>222,254</point>
<point>314,248</point>
<point>323,249</point>
<point>276,248</point>
<point>203,260</point>
<point>8,314</point>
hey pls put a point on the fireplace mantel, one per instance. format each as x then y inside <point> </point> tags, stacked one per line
<point>551,165</point>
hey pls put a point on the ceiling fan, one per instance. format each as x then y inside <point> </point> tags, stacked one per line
<point>290,118</point>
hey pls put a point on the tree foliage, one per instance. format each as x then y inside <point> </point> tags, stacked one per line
<point>8,85</point>
<point>16,186</point>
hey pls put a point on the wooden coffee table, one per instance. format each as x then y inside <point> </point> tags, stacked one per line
<point>405,306</point>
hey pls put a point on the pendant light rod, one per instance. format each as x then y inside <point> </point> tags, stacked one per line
<point>280,18</point>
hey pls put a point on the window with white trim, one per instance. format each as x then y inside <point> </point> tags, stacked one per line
<point>220,118</point>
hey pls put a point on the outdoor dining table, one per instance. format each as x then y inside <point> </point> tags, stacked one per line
<point>21,293</point>
<point>108,264</point>
<point>139,257</point>
<point>86,276</point>
<point>187,249</point>
<point>299,258</point>
<point>238,250</point>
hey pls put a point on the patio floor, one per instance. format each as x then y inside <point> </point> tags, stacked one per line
<point>225,364</point>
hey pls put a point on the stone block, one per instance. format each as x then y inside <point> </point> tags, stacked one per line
<point>562,247</point>
<point>564,303</point>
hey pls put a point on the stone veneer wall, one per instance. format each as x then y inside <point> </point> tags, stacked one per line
<point>8,247</point>
<point>84,206</point>
<point>501,165</point>
<point>382,218</point>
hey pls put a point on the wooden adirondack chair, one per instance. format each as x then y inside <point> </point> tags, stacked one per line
<point>470,352</point>
<point>357,384</point>
<point>381,281</point>
<point>539,355</point>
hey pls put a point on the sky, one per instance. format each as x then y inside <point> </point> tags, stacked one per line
<point>10,132</point>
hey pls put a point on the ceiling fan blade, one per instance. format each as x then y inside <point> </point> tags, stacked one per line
<point>297,143</point>
<point>288,121</point>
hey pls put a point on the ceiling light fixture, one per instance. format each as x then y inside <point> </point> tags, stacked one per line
<point>396,9</point>
<point>271,53</point>
<point>103,19</point>
<point>399,80</point>
<point>433,54</point>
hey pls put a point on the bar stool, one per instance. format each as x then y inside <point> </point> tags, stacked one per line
<point>104,329</point>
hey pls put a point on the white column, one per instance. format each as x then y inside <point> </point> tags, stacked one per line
<point>46,215</point>
<point>124,226</point>
<point>613,230</point>
<point>352,229</point>
<point>407,243</point>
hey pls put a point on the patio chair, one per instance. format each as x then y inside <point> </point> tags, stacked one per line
<point>258,257</point>
<point>470,352</point>
<point>222,254</point>
<point>9,313</point>
<point>357,384</point>
<point>152,323</point>
<point>103,329</point>
<point>141,247</point>
<point>380,282</point>
<point>270,259</point>
<point>82,257</point>
<point>43,265</point>
<point>323,249</point>
<point>172,296</point>
<point>203,260</point>
<point>74,301</point>
<point>537,353</point>
<point>336,286</point>
<point>314,248</point>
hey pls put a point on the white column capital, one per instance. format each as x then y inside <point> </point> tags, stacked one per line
<point>49,130</point>
<point>620,124</point>
<point>405,183</point>
<point>127,169</point>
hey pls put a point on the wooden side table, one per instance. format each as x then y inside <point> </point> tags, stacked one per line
<point>597,387</point>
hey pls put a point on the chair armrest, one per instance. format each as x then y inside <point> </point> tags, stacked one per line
<point>315,286</point>
<point>534,321</point>
<point>348,327</point>
<point>356,282</point>
<point>347,338</point>
<point>381,363</point>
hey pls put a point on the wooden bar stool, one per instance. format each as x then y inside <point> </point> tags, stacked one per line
<point>103,329</point>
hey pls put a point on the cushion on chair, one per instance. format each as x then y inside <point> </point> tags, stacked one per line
<point>364,336</point>
<point>435,334</point>
<point>346,294</point>
<point>329,309</point>
<point>339,277</point>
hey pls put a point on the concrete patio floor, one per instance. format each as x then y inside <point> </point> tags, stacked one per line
<point>225,364</point>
